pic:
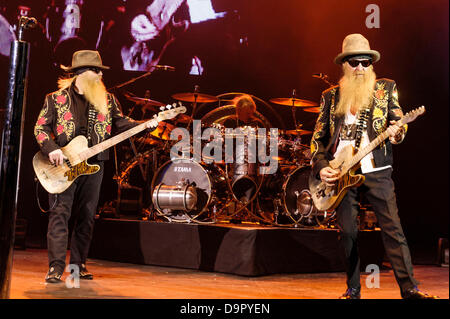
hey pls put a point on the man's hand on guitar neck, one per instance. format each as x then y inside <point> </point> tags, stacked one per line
<point>56,157</point>
<point>395,132</point>
<point>329,176</point>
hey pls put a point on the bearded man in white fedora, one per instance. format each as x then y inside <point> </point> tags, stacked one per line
<point>361,98</point>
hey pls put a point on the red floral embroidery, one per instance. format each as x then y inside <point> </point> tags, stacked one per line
<point>61,99</point>
<point>108,129</point>
<point>41,137</point>
<point>67,116</point>
<point>41,121</point>
<point>100,117</point>
<point>60,129</point>
<point>379,94</point>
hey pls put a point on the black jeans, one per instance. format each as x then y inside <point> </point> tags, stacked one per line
<point>378,188</point>
<point>81,200</point>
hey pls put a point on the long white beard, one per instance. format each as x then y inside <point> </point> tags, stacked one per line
<point>95,93</point>
<point>356,92</point>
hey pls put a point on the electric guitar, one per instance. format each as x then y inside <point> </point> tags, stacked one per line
<point>327,198</point>
<point>56,179</point>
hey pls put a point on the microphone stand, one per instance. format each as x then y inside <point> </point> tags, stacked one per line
<point>324,78</point>
<point>293,109</point>
<point>194,106</point>
<point>153,67</point>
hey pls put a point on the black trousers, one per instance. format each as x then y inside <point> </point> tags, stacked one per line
<point>79,200</point>
<point>378,188</point>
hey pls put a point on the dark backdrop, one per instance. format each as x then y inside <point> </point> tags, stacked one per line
<point>285,42</point>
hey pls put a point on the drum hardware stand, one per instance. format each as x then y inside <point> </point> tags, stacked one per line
<point>294,117</point>
<point>276,205</point>
<point>244,207</point>
<point>194,106</point>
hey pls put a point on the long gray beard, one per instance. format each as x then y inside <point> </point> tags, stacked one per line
<point>355,93</point>
<point>95,93</point>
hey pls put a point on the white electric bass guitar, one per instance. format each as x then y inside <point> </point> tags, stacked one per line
<point>56,179</point>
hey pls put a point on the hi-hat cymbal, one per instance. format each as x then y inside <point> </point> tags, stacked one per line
<point>144,101</point>
<point>296,132</point>
<point>293,102</point>
<point>312,109</point>
<point>195,97</point>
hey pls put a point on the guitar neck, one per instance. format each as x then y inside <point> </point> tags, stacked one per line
<point>372,145</point>
<point>369,148</point>
<point>100,147</point>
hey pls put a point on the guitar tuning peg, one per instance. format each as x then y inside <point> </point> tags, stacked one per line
<point>169,106</point>
<point>162,108</point>
<point>174,104</point>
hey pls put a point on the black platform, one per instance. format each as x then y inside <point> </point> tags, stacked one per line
<point>233,249</point>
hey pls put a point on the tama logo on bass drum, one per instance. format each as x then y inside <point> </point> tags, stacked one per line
<point>182,169</point>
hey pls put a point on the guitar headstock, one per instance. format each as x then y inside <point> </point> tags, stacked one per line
<point>412,115</point>
<point>170,111</point>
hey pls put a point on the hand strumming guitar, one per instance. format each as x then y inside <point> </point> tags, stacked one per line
<point>329,175</point>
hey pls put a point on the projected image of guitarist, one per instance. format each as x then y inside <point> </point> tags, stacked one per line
<point>359,121</point>
<point>81,114</point>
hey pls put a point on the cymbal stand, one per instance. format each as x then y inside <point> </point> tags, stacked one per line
<point>194,106</point>
<point>293,108</point>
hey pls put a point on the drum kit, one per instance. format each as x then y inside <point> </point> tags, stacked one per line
<point>185,189</point>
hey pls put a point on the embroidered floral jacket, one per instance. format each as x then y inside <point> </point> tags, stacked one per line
<point>57,122</point>
<point>385,108</point>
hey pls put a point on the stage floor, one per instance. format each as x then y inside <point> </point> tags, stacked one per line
<point>124,281</point>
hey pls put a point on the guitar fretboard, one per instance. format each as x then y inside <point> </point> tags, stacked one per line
<point>409,117</point>
<point>100,147</point>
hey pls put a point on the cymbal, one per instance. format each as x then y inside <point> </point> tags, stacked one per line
<point>296,132</point>
<point>144,101</point>
<point>191,97</point>
<point>312,109</point>
<point>293,102</point>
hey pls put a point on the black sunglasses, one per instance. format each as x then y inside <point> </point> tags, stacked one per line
<point>354,63</point>
<point>95,70</point>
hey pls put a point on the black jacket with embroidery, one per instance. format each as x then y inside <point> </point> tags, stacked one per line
<point>385,108</point>
<point>58,122</point>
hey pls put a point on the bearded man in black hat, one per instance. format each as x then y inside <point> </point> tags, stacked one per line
<point>341,108</point>
<point>81,106</point>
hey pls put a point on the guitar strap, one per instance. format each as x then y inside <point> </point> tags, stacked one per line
<point>361,126</point>
<point>91,121</point>
<point>355,131</point>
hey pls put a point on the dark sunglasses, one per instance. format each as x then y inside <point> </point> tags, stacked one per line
<point>95,70</point>
<point>354,63</point>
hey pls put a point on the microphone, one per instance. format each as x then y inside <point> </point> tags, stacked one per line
<point>319,75</point>
<point>164,67</point>
<point>27,22</point>
<point>323,77</point>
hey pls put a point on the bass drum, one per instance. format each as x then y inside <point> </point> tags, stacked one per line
<point>206,183</point>
<point>297,199</point>
<point>292,203</point>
